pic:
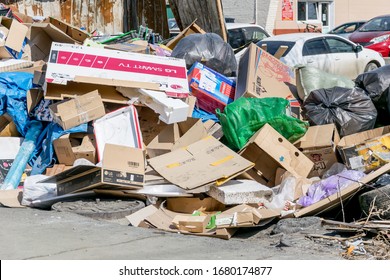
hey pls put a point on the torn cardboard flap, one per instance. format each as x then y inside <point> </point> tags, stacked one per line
<point>11,198</point>
<point>193,28</point>
<point>14,34</point>
<point>176,136</point>
<point>202,163</point>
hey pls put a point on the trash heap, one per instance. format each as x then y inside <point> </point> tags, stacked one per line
<point>210,145</point>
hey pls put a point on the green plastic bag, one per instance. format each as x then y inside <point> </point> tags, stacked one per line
<point>244,117</point>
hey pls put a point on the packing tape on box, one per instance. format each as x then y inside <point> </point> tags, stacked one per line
<point>82,114</point>
<point>219,162</point>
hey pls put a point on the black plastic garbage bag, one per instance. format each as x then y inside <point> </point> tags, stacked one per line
<point>208,49</point>
<point>351,110</point>
<point>377,85</point>
<point>375,82</point>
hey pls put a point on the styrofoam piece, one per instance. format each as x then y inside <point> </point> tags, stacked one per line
<point>240,192</point>
<point>162,190</point>
<point>10,147</point>
<point>120,127</point>
<point>170,110</point>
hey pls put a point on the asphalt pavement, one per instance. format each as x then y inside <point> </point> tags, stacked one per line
<point>37,234</point>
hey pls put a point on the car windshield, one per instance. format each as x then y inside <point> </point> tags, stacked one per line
<point>273,46</point>
<point>376,24</point>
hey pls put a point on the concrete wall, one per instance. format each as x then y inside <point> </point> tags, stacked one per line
<point>244,11</point>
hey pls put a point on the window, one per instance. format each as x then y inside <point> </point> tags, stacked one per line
<point>253,33</point>
<point>377,24</point>
<point>307,10</point>
<point>339,46</point>
<point>315,47</point>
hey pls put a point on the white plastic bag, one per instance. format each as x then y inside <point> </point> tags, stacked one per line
<point>33,190</point>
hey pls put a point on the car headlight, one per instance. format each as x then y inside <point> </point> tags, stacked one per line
<point>380,39</point>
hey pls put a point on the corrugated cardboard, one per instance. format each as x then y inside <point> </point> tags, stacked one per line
<point>366,150</point>
<point>270,150</point>
<point>176,136</point>
<point>81,109</point>
<point>122,166</point>
<point>14,38</point>
<point>335,199</point>
<point>70,147</point>
<point>193,28</point>
<point>120,127</point>
<point>190,204</point>
<point>11,198</point>
<point>107,67</point>
<point>262,75</point>
<point>41,36</point>
<point>200,164</point>
<point>319,145</point>
<point>72,31</point>
<point>195,224</point>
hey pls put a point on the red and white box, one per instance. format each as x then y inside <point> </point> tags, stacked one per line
<point>77,63</point>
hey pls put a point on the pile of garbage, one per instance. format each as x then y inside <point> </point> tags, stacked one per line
<point>209,145</point>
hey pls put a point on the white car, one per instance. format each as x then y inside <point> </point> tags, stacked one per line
<point>240,34</point>
<point>330,53</point>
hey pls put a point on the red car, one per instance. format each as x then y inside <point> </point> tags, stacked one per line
<point>375,35</point>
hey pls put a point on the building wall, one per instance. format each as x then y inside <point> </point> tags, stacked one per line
<point>247,11</point>
<point>350,10</point>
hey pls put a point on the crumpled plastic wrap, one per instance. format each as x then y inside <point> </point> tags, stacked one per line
<point>324,188</point>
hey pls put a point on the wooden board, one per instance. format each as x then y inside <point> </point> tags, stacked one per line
<point>207,13</point>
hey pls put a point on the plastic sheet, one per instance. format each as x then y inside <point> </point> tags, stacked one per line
<point>244,117</point>
<point>33,190</point>
<point>13,100</point>
<point>351,110</point>
<point>312,78</point>
<point>208,49</point>
<point>329,186</point>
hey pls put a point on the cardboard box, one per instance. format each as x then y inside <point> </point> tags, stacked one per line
<point>108,67</point>
<point>70,30</point>
<point>41,36</point>
<point>120,127</point>
<point>319,145</point>
<point>122,166</point>
<point>196,224</point>
<point>201,164</point>
<point>262,75</point>
<point>269,150</point>
<point>211,89</point>
<point>367,150</point>
<point>73,146</point>
<point>239,216</point>
<point>175,136</point>
<point>12,38</point>
<point>193,28</point>
<point>81,109</point>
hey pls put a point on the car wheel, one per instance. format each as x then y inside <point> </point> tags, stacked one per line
<point>370,66</point>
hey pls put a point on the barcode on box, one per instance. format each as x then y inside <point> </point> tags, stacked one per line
<point>133,164</point>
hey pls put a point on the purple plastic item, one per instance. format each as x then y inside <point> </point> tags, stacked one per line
<point>329,186</point>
